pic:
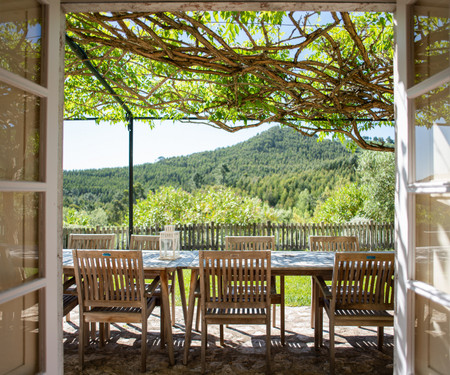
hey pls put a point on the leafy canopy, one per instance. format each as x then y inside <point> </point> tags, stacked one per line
<point>319,73</point>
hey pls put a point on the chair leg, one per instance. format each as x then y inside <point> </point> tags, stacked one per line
<point>204,344</point>
<point>81,342</point>
<point>144,346</point>
<point>87,334</point>
<point>274,316</point>
<point>102,334</point>
<point>332,355</point>
<point>222,341</point>
<point>380,337</point>
<point>268,345</point>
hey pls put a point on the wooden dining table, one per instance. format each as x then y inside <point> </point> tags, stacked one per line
<point>283,263</point>
<point>152,264</point>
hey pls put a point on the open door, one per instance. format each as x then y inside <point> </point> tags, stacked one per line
<point>422,97</point>
<point>29,132</point>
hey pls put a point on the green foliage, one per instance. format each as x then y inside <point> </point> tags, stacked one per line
<point>277,166</point>
<point>232,69</point>
<point>215,204</point>
<point>377,176</point>
<point>74,217</point>
<point>341,205</point>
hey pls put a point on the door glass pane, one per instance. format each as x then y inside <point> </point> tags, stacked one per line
<point>21,38</point>
<point>19,238</point>
<point>433,240</point>
<point>19,332</point>
<point>19,135</point>
<point>431,37</point>
<point>432,133</point>
<point>432,337</point>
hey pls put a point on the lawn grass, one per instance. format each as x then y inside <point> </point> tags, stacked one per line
<point>297,290</point>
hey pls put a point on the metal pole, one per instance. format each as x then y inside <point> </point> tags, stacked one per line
<point>81,54</point>
<point>130,182</point>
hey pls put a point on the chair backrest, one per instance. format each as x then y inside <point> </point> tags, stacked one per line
<point>109,278</point>
<point>333,243</point>
<point>144,242</point>
<point>249,243</point>
<point>363,280</point>
<point>235,279</point>
<point>91,241</point>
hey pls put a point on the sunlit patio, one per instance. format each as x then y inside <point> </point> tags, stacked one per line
<point>356,349</point>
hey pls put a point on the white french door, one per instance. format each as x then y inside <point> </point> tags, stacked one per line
<point>422,335</point>
<point>30,329</point>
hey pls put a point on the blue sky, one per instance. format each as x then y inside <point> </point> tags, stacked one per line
<point>87,145</point>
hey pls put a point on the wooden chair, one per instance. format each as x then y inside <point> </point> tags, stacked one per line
<point>91,241</point>
<point>87,241</point>
<point>111,288</point>
<point>144,242</point>
<point>329,243</point>
<point>361,294</point>
<point>262,243</point>
<point>151,242</point>
<point>333,243</point>
<point>235,289</point>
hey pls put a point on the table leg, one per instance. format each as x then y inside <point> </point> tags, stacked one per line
<point>318,316</point>
<point>167,321</point>
<point>313,301</point>
<point>182,292</point>
<point>190,315</point>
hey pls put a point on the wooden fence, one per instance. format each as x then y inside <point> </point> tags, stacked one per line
<point>211,236</point>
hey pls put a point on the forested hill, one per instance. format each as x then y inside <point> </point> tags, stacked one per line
<point>279,166</point>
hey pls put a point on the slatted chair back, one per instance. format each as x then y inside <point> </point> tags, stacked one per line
<point>333,243</point>
<point>363,281</point>
<point>257,243</point>
<point>109,278</point>
<point>91,241</point>
<point>144,242</point>
<point>235,279</point>
<point>249,243</point>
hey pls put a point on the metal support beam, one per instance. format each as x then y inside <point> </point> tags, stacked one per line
<point>82,55</point>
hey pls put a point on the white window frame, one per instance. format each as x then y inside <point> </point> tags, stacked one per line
<point>50,285</point>
<point>406,190</point>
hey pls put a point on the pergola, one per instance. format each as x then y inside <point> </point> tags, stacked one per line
<point>233,70</point>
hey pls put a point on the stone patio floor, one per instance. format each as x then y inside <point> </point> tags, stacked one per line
<point>356,351</point>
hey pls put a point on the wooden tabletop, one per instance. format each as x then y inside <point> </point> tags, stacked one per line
<point>150,259</point>
<point>293,262</point>
<point>283,262</point>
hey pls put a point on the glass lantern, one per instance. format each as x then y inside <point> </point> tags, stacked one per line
<point>169,243</point>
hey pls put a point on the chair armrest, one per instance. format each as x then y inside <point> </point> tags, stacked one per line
<point>324,288</point>
<point>151,288</point>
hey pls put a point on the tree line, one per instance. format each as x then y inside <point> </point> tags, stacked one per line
<point>288,174</point>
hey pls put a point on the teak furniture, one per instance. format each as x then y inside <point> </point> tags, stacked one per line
<point>361,294</point>
<point>151,242</point>
<point>235,289</point>
<point>334,244</point>
<point>263,243</point>
<point>283,263</point>
<point>91,241</point>
<point>152,264</point>
<point>111,288</point>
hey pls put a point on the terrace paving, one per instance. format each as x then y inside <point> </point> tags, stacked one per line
<point>356,351</point>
